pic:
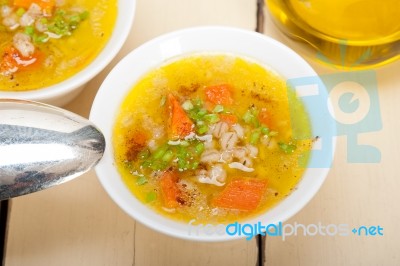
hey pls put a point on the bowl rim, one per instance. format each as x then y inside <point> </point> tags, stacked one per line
<point>176,44</point>
<point>125,16</point>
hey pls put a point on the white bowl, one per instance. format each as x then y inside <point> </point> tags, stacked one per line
<point>213,39</point>
<point>65,91</point>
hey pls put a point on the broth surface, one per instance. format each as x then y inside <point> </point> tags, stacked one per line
<point>225,98</point>
<point>42,46</point>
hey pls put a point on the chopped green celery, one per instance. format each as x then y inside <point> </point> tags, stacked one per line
<point>160,152</point>
<point>211,118</point>
<point>44,21</point>
<point>84,15</point>
<point>254,111</point>
<point>197,112</point>
<point>183,164</point>
<point>250,117</point>
<point>63,23</point>
<point>202,129</point>
<point>202,112</point>
<point>218,109</point>
<point>146,164</point>
<point>287,147</point>
<point>151,196</point>
<point>168,156</point>
<point>39,38</point>
<point>247,117</point>
<point>60,12</point>
<point>187,105</point>
<point>182,153</point>
<point>29,30</point>
<point>20,12</point>
<point>255,137</point>
<point>59,27</point>
<point>158,165</point>
<point>74,21</point>
<point>75,18</point>
<point>194,165</point>
<point>199,148</point>
<point>265,130</point>
<point>184,143</point>
<point>255,122</point>
<point>141,180</point>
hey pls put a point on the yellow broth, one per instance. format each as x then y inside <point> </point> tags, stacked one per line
<point>60,58</point>
<point>144,112</point>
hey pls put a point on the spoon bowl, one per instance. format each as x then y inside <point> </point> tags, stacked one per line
<point>42,146</point>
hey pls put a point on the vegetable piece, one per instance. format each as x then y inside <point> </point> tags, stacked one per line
<point>250,117</point>
<point>199,148</point>
<point>255,137</point>
<point>202,129</point>
<point>211,118</point>
<point>243,194</point>
<point>287,147</point>
<point>265,130</point>
<point>151,196</point>
<point>29,30</point>
<point>12,60</point>
<point>180,123</point>
<point>230,119</point>
<point>46,5</point>
<point>219,94</point>
<point>20,12</point>
<point>141,180</point>
<point>8,62</point>
<point>159,153</point>
<point>168,156</point>
<point>169,189</point>
<point>187,105</point>
<point>218,109</point>
<point>265,118</point>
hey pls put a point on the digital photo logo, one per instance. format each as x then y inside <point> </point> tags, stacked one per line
<point>348,100</point>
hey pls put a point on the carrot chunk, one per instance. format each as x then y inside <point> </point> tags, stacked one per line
<point>46,5</point>
<point>169,189</point>
<point>219,94</point>
<point>243,194</point>
<point>265,118</point>
<point>13,61</point>
<point>180,123</point>
<point>8,62</point>
<point>228,118</point>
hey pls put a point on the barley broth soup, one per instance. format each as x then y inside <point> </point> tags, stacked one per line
<point>209,137</point>
<point>43,42</point>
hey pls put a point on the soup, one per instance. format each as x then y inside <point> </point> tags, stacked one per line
<point>210,137</point>
<point>43,42</point>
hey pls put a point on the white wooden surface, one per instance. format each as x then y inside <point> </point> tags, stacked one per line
<point>77,223</point>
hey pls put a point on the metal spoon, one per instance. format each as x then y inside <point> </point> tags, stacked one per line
<point>42,146</point>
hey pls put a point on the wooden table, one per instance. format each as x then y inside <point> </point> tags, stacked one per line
<point>78,224</point>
